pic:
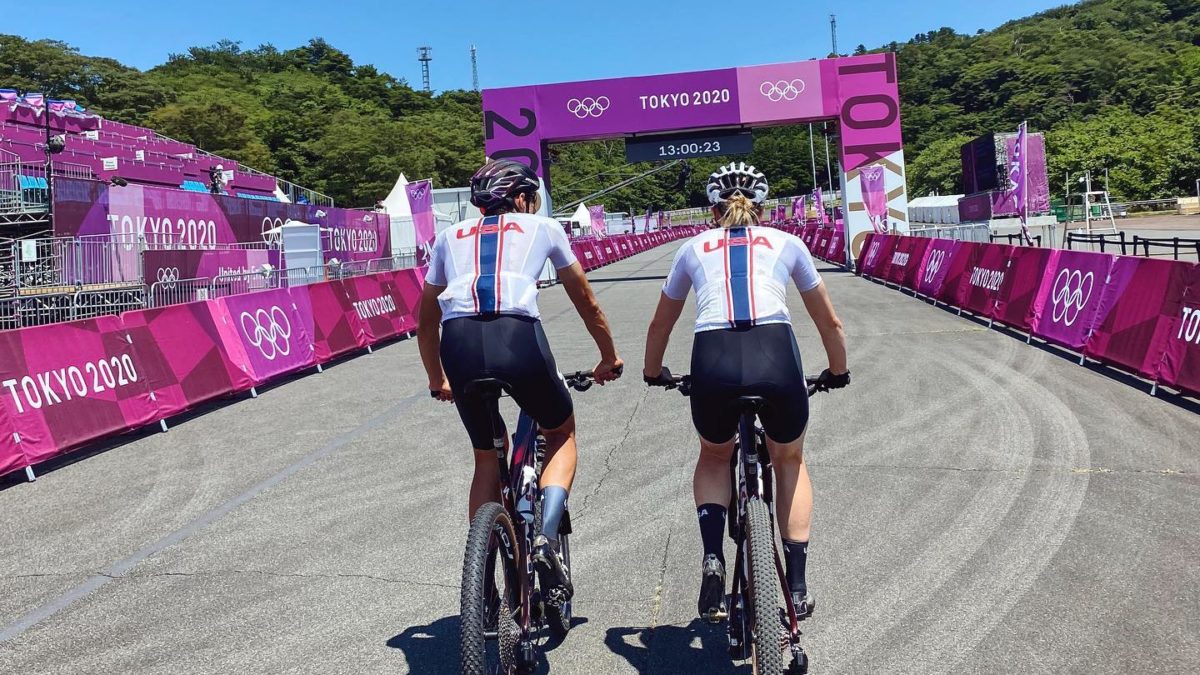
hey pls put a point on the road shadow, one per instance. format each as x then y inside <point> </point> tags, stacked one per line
<point>433,649</point>
<point>698,647</point>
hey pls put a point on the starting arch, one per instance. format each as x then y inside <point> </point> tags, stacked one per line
<point>859,92</point>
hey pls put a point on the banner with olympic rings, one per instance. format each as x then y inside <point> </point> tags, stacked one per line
<point>1069,297</point>
<point>264,333</point>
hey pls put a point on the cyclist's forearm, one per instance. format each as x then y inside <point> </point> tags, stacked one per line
<point>657,338</point>
<point>834,340</point>
<point>429,343</point>
<point>597,326</point>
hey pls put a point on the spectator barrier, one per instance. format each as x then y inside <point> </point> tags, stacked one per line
<point>67,384</point>
<point>1137,314</point>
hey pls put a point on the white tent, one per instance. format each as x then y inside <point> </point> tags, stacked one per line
<point>396,203</point>
<point>582,217</point>
<point>934,209</point>
<point>404,235</point>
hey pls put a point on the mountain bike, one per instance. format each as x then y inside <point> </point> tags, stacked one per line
<point>504,614</point>
<point>758,629</point>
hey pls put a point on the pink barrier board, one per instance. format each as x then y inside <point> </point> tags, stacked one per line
<point>879,248</point>
<point>1180,365</point>
<point>935,264</point>
<point>965,255</point>
<point>902,257</point>
<point>329,319</point>
<point>822,241</point>
<point>381,310</point>
<point>837,247</point>
<point>1023,277</point>
<point>65,384</point>
<point>1067,302</point>
<point>409,283</point>
<point>264,334</point>
<point>984,279</point>
<point>912,272</point>
<point>1134,322</point>
<point>184,359</point>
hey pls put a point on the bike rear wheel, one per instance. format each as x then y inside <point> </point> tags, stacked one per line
<point>765,630</point>
<point>490,633</point>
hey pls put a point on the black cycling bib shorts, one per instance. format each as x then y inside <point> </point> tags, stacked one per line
<point>509,348</point>
<point>759,361</point>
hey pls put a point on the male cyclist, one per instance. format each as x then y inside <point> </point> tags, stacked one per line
<point>744,346</point>
<point>482,289</point>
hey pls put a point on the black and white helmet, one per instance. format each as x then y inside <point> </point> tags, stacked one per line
<point>737,177</point>
<point>499,181</point>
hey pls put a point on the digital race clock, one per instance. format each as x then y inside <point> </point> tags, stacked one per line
<point>686,146</point>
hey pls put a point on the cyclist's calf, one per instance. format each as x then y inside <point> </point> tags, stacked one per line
<point>561,457</point>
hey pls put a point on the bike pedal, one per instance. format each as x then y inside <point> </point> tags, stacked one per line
<point>716,616</point>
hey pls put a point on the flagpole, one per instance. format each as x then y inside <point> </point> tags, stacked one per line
<point>1025,182</point>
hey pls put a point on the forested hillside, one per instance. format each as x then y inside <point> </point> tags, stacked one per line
<point>1114,83</point>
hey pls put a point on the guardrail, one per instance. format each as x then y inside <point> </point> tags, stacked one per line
<point>979,232</point>
<point>1103,239</point>
<point>1143,244</point>
<point>1015,239</point>
<point>38,310</point>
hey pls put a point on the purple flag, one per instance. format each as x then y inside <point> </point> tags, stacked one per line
<point>820,208</point>
<point>597,213</point>
<point>1018,176</point>
<point>420,200</point>
<point>649,212</point>
<point>874,194</point>
<point>8,95</point>
<point>661,217</point>
<point>36,100</point>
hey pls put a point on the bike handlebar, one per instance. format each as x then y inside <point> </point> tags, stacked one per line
<point>684,384</point>
<point>582,380</point>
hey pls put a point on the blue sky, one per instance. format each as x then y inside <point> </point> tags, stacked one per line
<point>551,42</point>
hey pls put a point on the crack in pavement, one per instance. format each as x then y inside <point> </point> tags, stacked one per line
<point>609,457</point>
<point>285,575</point>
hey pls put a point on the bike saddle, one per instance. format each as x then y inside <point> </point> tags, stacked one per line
<point>487,387</point>
<point>751,403</point>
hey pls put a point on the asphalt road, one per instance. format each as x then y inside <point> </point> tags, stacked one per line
<point>982,506</point>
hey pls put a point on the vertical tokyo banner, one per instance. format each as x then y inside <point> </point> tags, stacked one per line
<point>420,201</point>
<point>860,92</point>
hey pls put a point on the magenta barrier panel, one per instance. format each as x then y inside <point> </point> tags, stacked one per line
<point>409,283</point>
<point>984,279</point>
<point>382,311</point>
<point>935,264</point>
<point>11,457</point>
<point>837,247</point>
<point>1134,322</point>
<point>329,319</point>
<point>68,383</point>
<point>904,257</point>
<point>809,236</point>
<point>1066,306</point>
<point>183,356</point>
<point>611,253</point>
<point>822,241</point>
<point>912,272</point>
<point>264,334</point>
<point>965,255</point>
<point>872,249</point>
<point>1022,278</point>
<point>888,257</point>
<point>583,251</point>
<point>1180,366</point>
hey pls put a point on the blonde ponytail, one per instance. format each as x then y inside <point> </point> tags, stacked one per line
<point>737,211</point>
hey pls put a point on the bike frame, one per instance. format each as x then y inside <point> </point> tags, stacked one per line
<point>520,472</point>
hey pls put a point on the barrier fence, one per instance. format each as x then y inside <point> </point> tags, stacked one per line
<point>135,361</point>
<point>1141,315</point>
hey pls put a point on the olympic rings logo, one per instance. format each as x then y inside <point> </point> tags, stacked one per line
<point>936,258</point>
<point>588,106</point>
<point>270,231</point>
<point>783,90</point>
<point>269,331</point>
<point>1072,290</point>
<point>168,276</point>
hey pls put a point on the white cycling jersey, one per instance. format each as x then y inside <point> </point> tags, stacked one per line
<point>740,275</point>
<point>490,265</point>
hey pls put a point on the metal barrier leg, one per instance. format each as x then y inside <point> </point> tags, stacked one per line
<point>370,350</point>
<point>163,425</point>
<point>1029,339</point>
<point>320,369</point>
<point>1154,389</point>
<point>253,392</point>
<point>1081,359</point>
<point>29,474</point>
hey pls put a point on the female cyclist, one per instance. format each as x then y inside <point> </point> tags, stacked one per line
<point>744,346</point>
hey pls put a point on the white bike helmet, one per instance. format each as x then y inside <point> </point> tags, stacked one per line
<point>737,177</point>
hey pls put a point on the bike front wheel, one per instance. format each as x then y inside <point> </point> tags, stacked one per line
<point>766,631</point>
<point>490,601</point>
